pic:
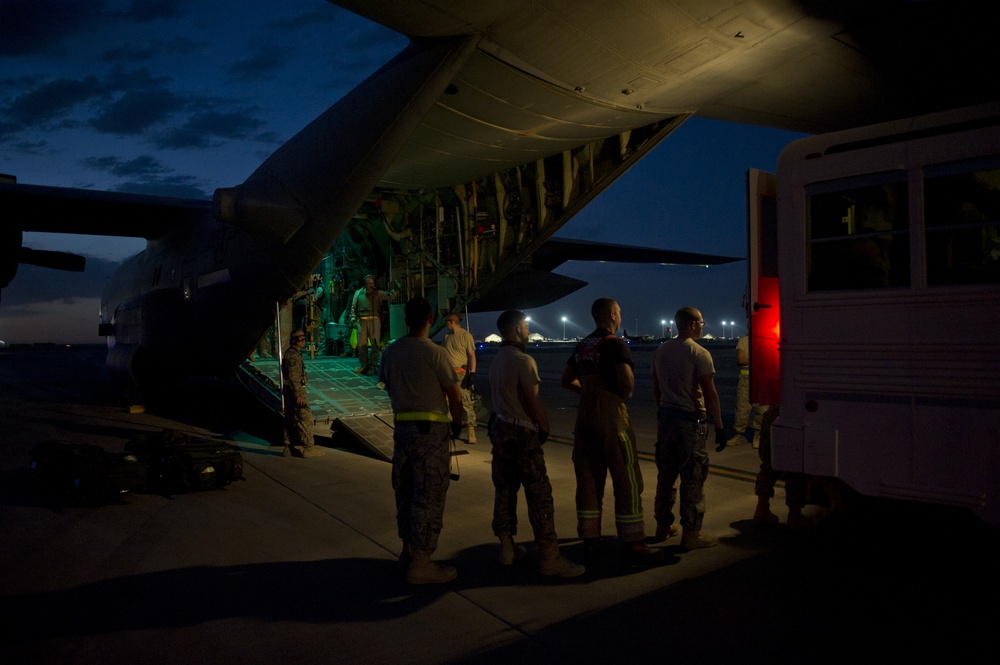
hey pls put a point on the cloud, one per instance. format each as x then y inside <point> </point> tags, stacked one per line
<point>52,99</point>
<point>200,128</point>
<point>138,110</point>
<point>142,165</point>
<point>39,26</point>
<point>265,59</point>
<point>148,176</point>
<point>144,11</point>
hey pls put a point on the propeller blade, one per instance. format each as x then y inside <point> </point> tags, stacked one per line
<point>49,259</point>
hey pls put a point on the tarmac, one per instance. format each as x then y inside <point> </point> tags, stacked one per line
<point>298,563</point>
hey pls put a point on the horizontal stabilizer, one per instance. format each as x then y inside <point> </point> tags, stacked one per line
<point>557,251</point>
<point>526,289</point>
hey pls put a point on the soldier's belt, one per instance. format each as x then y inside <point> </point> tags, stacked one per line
<point>518,422</point>
<point>428,416</point>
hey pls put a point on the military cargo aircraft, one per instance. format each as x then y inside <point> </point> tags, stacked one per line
<point>449,169</point>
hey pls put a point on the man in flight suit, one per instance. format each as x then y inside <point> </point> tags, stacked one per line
<point>366,308</point>
<point>461,349</point>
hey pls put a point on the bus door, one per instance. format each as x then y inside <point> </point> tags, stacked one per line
<point>763,308</point>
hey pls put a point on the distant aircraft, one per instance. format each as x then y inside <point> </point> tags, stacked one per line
<point>450,168</point>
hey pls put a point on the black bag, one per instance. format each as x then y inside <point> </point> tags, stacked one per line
<point>86,472</point>
<point>180,463</point>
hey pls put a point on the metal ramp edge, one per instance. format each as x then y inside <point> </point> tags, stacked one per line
<point>259,385</point>
<point>373,431</point>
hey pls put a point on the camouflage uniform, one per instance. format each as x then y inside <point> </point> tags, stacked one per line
<point>747,414</point>
<point>416,371</point>
<point>603,441</point>
<point>518,460</point>
<point>680,451</point>
<point>795,483</point>
<point>420,478</point>
<point>298,419</point>
<point>681,431</point>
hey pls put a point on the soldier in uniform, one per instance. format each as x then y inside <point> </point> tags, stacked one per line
<point>461,349</point>
<point>686,398</point>
<point>600,370</point>
<point>427,407</point>
<point>298,415</point>
<point>366,307</point>
<point>518,431</point>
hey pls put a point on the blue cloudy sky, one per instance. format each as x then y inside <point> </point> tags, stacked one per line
<point>179,97</point>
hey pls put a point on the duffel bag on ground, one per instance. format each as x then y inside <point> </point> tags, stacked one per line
<point>86,472</point>
<point>178,462</point>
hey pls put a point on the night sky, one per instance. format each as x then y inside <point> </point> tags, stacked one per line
<point>178,97</point>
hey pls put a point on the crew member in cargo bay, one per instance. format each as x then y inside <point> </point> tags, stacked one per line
<point>298,415</point>
<point>366,308</point>
<point>461,349</point>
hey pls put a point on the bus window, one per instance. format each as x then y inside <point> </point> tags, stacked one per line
<point>962,204</point>
<point>857,233</point>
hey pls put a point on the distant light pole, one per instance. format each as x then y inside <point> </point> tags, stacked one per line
<point>671,326</point>
<point>732,330</point>
<point>564,327</point>
<point>723,330</point>
<point>663,328</point>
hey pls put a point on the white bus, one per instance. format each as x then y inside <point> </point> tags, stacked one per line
<point>875,307</point>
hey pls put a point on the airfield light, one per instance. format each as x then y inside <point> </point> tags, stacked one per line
<point>663,328</point>
<point>723,330</point>
<point>564,327</point>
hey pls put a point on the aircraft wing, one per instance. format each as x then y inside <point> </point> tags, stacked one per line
<point>82,211</point>
<point>91,212</point>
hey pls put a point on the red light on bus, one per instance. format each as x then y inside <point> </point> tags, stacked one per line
<point>765,329</point>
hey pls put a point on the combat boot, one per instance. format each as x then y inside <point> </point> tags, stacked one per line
<point>313,451</point>
<point>424,571</point>
<point>472,434</point>
<point>509,550</point>
<point>697,540</point>
<point>763,513</point>
<point>665,531</point>
<point>405,558</point>
<point>554,564</point>
<point>287,452</point>
<point>736,440</point>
